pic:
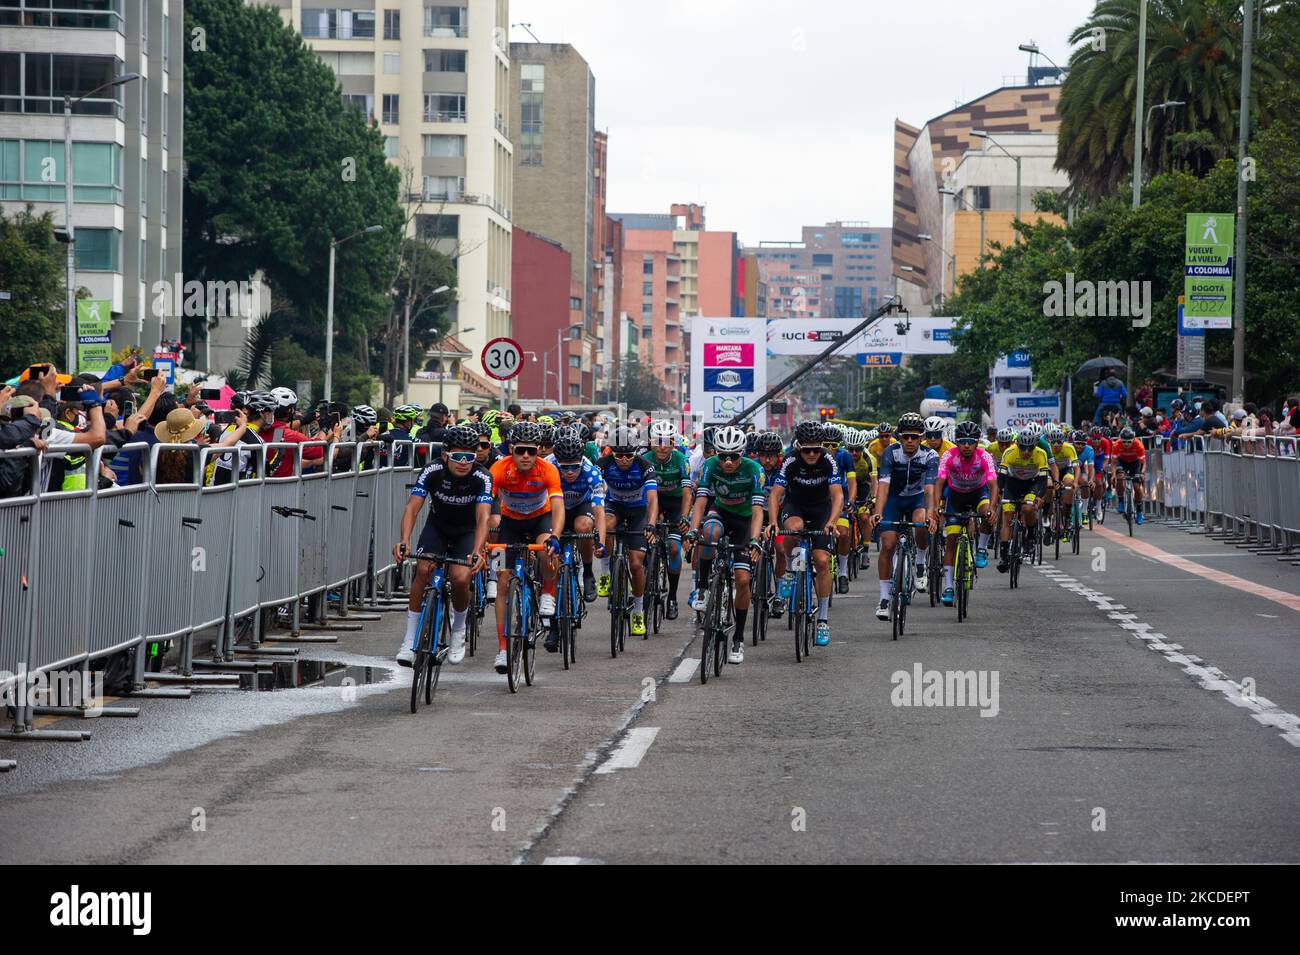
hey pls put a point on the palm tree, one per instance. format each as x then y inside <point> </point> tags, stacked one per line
<point>1193,56</point>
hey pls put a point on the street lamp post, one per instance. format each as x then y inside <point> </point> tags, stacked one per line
<point>406,343</point>
<point>442,362</point>
<point>981,134</point>
<point>1137,105</point>
<point>329,310</point>
<point>71,265</point>
<point>1239,257</point>
<point>1170,104</point>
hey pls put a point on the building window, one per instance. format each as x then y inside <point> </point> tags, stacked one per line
<point>392,63</point>
<point>444,61</point>
<point>446,188</point>
<point>390,147</point>
<point>364,103</point>
<point>390,106</point>
<point>97,249</point>
<point>575,303</point>
<point>648,265</point>
<point>26,167</point>
<point>392,24</point>
<point>101,15</point>
<point>446,21</point>
<point>573,391</point>
<point>349,64</point>
<point>647,313</point>
<point>438,227</point>
<point>848,301</point>
<point>647,289</point>
<point>443,146</point>
<point>823,258</point>
<point>575,361</point>
<point>981,199</point>
<point>333,24</point>
<point>444,107</point>
<point>37,83</point>
<point>532,82</point>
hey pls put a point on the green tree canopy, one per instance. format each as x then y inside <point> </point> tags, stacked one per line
<point>31,271</point>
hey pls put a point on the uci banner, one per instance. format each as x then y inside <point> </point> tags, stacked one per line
<point>728,368</point>
<point>808,336</point>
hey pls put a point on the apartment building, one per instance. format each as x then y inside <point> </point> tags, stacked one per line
<point>841,269</point>
<point>558,185</point>
<point>436,78</point>
<point>127,142</point>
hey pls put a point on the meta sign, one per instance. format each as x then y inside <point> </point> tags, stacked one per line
<point>728,367</point>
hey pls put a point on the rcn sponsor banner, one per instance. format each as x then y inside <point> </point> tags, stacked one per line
<point>728,368</point>
<point>809,336</point>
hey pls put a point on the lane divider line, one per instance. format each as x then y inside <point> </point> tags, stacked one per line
<point>631,750</point>
<point>685,671</point>
<point>1262,710</point>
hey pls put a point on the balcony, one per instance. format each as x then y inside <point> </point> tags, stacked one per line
<point>444,116</point>
<point>33,13</point>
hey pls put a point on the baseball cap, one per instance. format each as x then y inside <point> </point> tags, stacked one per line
<point>17,403</point>
<point>1147,412</point>
<point>439,408</point>
<point>1239,414</point>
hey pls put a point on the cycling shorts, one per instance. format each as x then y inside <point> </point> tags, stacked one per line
<point>959,502</point>
<point>515,530</point>
<point>447,543</point>
<point>737,529</point>
<point>901,507</point>
<point>632,520</point>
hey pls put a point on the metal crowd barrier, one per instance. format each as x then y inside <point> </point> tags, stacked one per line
<point>92,572</point>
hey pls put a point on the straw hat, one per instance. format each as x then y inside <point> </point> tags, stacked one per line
<point>181,426</point>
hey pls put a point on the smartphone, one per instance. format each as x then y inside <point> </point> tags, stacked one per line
<point>225,417</point>
<point>128,408</point>
<point>70,393</point>
<point>34,372</point>
<point>148,374</point>
<point>334,418</point>
<point>210,394</point>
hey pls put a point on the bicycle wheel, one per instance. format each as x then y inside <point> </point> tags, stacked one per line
<point>959,578</point>
<point>439,654</point>
<point>1076,526</point>
<point>514,634</point>
<point>624,602</point>
<point>529,652</point>
<point>423,648</point>
<point>757,598</point>
<point>809,615</point>
<point>615,608</point>
<point>795,612</point>
<point>707,645</point>
<point>897,601</point>
<point>725,618</point>
<point>1128,506</point>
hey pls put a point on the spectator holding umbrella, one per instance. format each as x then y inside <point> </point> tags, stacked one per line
<point>1111,395</point>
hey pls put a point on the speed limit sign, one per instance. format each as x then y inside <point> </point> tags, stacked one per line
<point>501,358</point>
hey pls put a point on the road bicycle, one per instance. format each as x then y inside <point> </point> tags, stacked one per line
<point>656,578</point>
<point>1023,541</point>
<point>570,609</point>
<point>1128,502</point>
<point>904,571</point>
<point>432,642</point>
<point>762,587</point>
<point>803,597</point>
<point>522,623</point>
<point>620,593</point>
<point>719,611</point>
<point>964,569</point>
<point>934,568</point>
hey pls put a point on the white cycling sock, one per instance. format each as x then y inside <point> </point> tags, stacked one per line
<point>412,627</point>
<point>823,608</point>
<point>604,565</point>
<point>984,541</point>
<point>886,589</point>
<point>458,618</point>
<point>947,577</point>
<point>638,603</point>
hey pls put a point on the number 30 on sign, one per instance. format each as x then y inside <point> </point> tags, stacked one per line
<point>501,358</point>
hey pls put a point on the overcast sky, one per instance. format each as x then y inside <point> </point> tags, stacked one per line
<point>781,114</point>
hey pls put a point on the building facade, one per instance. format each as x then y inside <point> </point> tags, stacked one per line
<point>838,270</point>
<point>542,312</point>
<point>436,78</point>
<point>127,143</point>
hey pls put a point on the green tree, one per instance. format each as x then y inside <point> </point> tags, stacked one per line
<point>1193,56</point>
<point>639,388</point>
<point>277,166</point>
<point>422,270</point>
<point>32,272</point>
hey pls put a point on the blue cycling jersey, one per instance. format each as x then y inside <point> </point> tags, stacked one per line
<point>586,486</point>
<point>844,462</point>
<point>628,488</point>
<point>1085,455</point>
<point>908,476</point>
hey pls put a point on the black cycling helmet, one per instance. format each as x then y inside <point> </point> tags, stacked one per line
<point>911,423</point>
<point>482,430</point>
<point>751,442</point>
<point>548,433</point>
<point>709,432</point>
<point>769,442</point>
<point>569,444</point>
<point>968,431</point>
<point>808,432</point>
<point>461,438</point>
<point>1126,435</point>
<point>525,432</point>
<point>885,429</point>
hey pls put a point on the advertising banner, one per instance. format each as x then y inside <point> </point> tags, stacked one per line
<point>94,341</point>
<point>1191,348</point>
<point>809,336</point>
<point>728,368</point>
<point>1017,409</point>
<point>1207,271</point>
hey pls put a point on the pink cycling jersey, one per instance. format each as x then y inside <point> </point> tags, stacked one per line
<point>965,476</point>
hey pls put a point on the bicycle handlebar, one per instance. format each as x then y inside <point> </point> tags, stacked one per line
<point>573,536</point>
<point>443,559</point>
<point>517,547</point>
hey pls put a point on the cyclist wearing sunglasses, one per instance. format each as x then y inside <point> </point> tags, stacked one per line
<point>908,471</point>
<point>808,493</point>
<point>584,501</point>
<point>969,474</point>
<point>460,501</point>
<point>532,511</point>
<point>673,475</point>
<point>632,503</point>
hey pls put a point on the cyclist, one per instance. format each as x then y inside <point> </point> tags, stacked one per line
<point>532,511</point>
<point>460,501</point>
<point>1065,463</point>
<point>1087,468</point>
<point>675,491</point>
<point>702,452</point>
<point>406,420</point>
<point>771,454</point>
<point>729,496</point>
<point>751,445</point>
<point>1005,441</point>
<point>1101,449</point>
<point>935,437</point>
<point>905,492</point>
<point>1129,460</point>
<point>632,503</point>
<point>833,437</point>
<point>584,503</point>
<point>808,493</point>
<point>884,438</point>
<point>864,473</point>
<point>968,474</point>
<point>1022,474</point>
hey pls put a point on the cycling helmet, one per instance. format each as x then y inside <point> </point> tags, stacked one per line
<point>260,401</point>
<point>872,434</point>
<point>968,431</point>
<point>663,434</point>
<point>1054,434</point>
<point>1126,434</point>
<point>708,435</point>
<point>569,445</point>
<point>885,429</point>
<point>364,415</point>
<point>461,438</point>
<point>912,423</point>
<point>525,432</point>
<point>284,397</point>
<point>934,425</point>
<point>729,440</point>
<point>624,438</point>
<point>769,442</point>
<point>548,433</point>
<point>239,400</point>
<point>482,430</point>
<point>854,439</point>
<point>834,431</point>
<point>584,430</point>
<point>1033,428</point>
<point>808,432</point>
<point>1026,439</point>
<point>406,413</point>
<point>489,417</point>
<point>545,419</point>
<point>1006,435</point>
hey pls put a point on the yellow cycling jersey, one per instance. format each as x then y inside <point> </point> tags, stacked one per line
<point>1066,457</point>
<point>944,447</point>
<point>877,448</point>
<point>864,466</point>
<point>1023,467</point>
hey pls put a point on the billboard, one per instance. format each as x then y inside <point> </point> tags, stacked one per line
<point>1208,270</point>
<point>809,336</point>
<point>728,368</point>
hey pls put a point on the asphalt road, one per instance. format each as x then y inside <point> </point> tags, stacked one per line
<point>1133,708</point>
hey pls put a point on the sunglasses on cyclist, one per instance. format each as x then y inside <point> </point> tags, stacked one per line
<point>529,452</point>
<point>909,437</point>
<point>570,466</point>
<point>461,457</point>
<point>967,442</point>
<point>811,449</point>
<point>485,445</point>
<point>729,456</point>
<point>625,455</point>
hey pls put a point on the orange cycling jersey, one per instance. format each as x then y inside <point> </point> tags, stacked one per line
<point>1128,453</point>
<point>525,494</point>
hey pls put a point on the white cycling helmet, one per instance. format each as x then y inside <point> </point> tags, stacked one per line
<point>284,397</point>
<point>1033,428</point>
<point>854,439</point>
<point>935,425</point>
<point>663,434</point>
<point>872,435</point>
<point>729,440</point>
<point>1006,435</point>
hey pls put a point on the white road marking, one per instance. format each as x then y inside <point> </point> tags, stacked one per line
<point>1263,711</point>
<point>628,754</point>
<point>564,860</point>
<point>685,671</point>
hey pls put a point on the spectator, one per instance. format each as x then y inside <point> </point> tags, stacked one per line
<point>175,466</point>
<point>1145,426</point>
<point>1111,394</point>
<point>283,460</point>
<point>123,372</point>
<point>1145,396</point>
<point>436,427</point>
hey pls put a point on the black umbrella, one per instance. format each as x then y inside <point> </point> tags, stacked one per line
<point>1099,364</point>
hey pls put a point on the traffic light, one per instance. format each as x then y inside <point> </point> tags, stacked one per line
<point>826,413</point>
